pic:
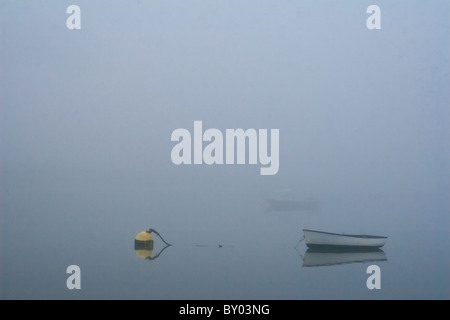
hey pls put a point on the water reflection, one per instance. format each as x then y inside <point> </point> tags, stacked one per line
<point>146,253</point>
<point>327,257</point>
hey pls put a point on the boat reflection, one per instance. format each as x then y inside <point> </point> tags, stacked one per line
<point>329,257</point>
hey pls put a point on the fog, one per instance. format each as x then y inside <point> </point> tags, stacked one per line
<point>87,117</point>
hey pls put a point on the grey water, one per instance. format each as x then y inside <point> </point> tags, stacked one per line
<point>85,148</point>
<point>225,243</point>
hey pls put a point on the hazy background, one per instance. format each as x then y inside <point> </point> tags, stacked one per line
<point>86,120</point>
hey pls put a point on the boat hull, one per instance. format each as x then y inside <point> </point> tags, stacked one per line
<point>320,239</point>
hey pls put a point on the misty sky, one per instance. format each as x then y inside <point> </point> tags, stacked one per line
<point>351,104</point>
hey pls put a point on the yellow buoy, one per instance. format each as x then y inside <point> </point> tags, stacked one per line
<point>144,236</point>
<point>143,244</point>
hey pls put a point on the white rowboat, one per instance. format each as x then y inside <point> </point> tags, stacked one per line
<point>314,239</point>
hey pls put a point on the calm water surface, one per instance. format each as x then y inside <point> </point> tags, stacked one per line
<point>225,244</point>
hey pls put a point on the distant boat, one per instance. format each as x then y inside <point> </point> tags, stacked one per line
<point>318,257</point>
<point>292,205</point>
<point>321,239</point>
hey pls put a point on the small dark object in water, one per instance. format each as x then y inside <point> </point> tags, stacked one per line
<point>220,246</point>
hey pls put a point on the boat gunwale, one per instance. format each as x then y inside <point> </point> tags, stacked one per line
<point>364,236</point>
